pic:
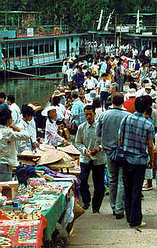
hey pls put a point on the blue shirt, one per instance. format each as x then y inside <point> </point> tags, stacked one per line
<point>78,110</point>
<point>103,68</point>
<point>79,79</point>
<point>108,126</point>
<point>135,132</point>
<point>4,105</point>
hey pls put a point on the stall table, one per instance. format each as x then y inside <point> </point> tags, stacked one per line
<point>29,233</point>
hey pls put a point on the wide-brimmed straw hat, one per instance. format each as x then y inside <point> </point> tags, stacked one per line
<point>58,93</point>
<point>34,107</point>
<point>47,109</point>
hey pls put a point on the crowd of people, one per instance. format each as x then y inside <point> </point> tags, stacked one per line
<point>103,103</point>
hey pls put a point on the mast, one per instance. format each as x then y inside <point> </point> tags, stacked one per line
<point>138,22</point>
<point>100,20</point>
<point>108,21</point>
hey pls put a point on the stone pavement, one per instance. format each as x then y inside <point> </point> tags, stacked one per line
<point>104,231</point>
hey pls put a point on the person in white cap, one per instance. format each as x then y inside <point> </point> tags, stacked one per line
<point>141,91</point>
<point>51,131</point>
<point>148,90</point>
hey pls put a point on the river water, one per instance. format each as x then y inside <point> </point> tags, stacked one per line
<point>29,91</point>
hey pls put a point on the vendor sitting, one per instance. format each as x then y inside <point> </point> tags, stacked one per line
<point>51,131</point>
<point>26,125</point>
<point>8,136</point>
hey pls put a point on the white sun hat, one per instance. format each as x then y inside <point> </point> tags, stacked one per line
<point>47,109</point>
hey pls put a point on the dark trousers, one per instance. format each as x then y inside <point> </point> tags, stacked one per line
<point>133,178</point>
<point>98,181</point>
<point>103,97</point>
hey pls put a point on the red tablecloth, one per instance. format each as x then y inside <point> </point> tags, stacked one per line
<point>23,233</point>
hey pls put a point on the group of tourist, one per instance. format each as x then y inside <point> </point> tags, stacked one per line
<point>103,103</point>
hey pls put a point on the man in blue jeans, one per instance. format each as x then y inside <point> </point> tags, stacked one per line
<point>92,158</point>
<point>136,135</point>
<point>107,129</point>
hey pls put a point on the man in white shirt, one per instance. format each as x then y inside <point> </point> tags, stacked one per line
<point>15,110</point>
<point>103,67</point>
<point>26,125</point>
<point>134,53</point>
<point>141,91</point>
<point>143,72</point>
<point>70,73</point>
<point>147,55</point>
<point>64,69</point>
<point>104,88</point>
<point>108,49</point>
<point>9,134</point>
<point>153,73</point>
<point>147,90</point>
<point>90,83</point>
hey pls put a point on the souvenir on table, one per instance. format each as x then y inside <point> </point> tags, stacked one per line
<point>19,233</point>
<point>23,189</point>
<point>36,181</point>
<point>3,199</point>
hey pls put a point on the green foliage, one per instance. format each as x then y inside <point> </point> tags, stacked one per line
<point>80,15</point>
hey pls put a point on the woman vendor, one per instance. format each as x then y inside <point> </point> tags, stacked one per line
<point>8,136</point>
<point>60,108</point>
<point>51,131</point>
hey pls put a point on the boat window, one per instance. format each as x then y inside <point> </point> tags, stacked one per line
<point>11,52</point>
<point>4,52</point>
<point>36,49</point>
<point>72,40</point>
<point>24,51</point>
<point>46,48</point>
<point>18,50</point>
<point>76,44</point>
<point>57,49</point>
<point>41,48</point>
<point>52,46</point>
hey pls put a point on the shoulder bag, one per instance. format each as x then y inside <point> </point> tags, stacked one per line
<point>117,154</point>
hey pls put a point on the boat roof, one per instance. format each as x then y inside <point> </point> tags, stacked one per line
<point>12,12</point>
<point>39,37</point>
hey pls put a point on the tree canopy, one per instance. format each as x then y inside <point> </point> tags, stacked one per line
<point>80,15</point>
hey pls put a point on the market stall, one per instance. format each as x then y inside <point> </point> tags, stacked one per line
<point>37,204</point>
<point>34,212</point>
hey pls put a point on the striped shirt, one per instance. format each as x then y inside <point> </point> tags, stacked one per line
<point>86,138</point>
<point>135,132</point>
<point>77,111</point>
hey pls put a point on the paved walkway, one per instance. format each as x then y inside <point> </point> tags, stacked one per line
<point>104,231</point>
